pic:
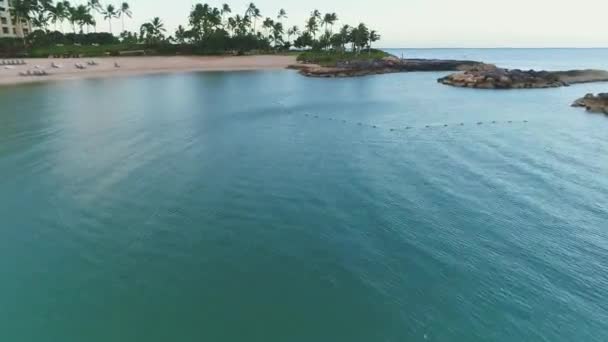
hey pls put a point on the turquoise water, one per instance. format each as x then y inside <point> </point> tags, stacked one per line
<point>211,207</point>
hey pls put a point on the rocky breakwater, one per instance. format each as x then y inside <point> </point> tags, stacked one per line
<point>491,77</point>
<point>383,66</point>
<point>593,103</point>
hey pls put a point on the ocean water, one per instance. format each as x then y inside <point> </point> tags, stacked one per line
<point>539,59</point>
<point>265,206</point>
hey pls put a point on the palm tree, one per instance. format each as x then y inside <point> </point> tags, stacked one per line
<point>181,34</point>
<point>282,14</point>
<point>345,35</point>
<point>124,11</point>
<point>256,14</point>
<point>312,26</point>
<point>158,25</point>
<point>22,11</point>
<point>292,31</point>
<point>325,39</point>
<point>43,11</point>
<point>63,12</point>
<point>110,13</point>
<point>225,9</point>
<point>96,6</point>
<point>153,30</point>
<point>241,24</point>
<point>80,14</point>
<point>40,20</point>
<point>55,13</point>
<point>231,24</point>
<point>89,20</point>
<point>359,36</point>
<point>329,19</point>
<point>277,33</point>
<point>373,37</point>
<point>72,17</point>
<point>253,12</point>
<point>267,24</point>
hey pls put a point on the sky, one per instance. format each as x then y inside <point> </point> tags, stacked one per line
<point>424,23</point>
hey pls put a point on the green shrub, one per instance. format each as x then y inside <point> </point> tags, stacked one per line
<point>331,58</point>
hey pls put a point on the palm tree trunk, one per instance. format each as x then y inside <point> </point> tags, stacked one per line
<point>123,23</point>
<point>110,22</point>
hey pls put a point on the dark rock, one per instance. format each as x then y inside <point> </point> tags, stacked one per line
<point>384,66</point>
<point>491,77</point>
<point>593,103</point>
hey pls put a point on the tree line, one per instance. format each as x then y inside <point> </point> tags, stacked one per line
<point>43,13</point>
<point>206,22</point>
<point>208,29</point>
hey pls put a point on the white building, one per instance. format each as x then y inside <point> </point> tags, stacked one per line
<point>7,25</point>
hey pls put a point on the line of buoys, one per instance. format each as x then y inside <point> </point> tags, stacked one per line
<point>408,127</point>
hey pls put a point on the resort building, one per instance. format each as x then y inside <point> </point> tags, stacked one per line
<point>8,28</point>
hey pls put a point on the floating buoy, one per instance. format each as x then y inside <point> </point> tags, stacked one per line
<point>446,125</point>
<point>358,123</point>
<point>408,127</point>
<point>374,126</point>
<point>509,121</point>
<point>525,120</point>
<point>392,129</point>
<point>479,123</point>
<point>462,124</point>
<point>427,126</point>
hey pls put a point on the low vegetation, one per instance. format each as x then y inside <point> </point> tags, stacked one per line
<point>332,57</point>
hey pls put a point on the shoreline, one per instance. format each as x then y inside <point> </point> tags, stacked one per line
<point>134,66</point>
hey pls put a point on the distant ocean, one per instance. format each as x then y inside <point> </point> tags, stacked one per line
<point>266,206</point>
<point>539,59</point>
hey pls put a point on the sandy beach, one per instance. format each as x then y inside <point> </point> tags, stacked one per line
<point>129,66</point>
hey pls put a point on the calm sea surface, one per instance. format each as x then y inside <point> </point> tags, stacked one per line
<point>253,206</point>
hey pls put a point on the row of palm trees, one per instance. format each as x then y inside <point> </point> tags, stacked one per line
<point>206,21</point>
<point>41,13</point>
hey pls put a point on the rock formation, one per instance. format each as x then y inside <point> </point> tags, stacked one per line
<point>490,77</point>
<point>383,66</point>
<point>593,103</point>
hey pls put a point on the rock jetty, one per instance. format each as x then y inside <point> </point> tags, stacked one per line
<point>383,66</point>
<point>491,77</point>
